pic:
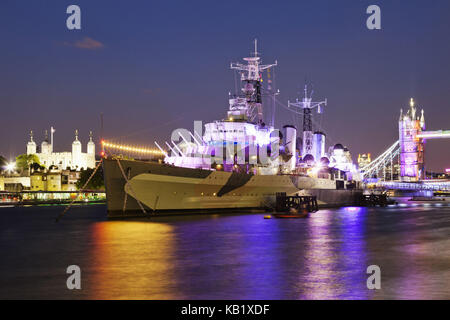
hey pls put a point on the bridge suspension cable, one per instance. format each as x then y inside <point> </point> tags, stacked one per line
<point>380,163</point>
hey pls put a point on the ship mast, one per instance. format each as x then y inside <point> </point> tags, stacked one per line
<point>251,78</point>
<point>306,105</point>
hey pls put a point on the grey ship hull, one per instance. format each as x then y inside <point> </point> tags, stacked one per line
<point>163,189</point>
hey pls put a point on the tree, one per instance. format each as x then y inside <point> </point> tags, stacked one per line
<point>96,182</point>
<point>24,161</point>
<point>36,167</point>
<point>3,162</point>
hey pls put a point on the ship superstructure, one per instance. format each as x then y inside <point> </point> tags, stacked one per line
<point>236,163</point>
<point>236,142</point>
<point>313,142</point>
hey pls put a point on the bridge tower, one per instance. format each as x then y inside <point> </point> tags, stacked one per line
<point>411,145</point>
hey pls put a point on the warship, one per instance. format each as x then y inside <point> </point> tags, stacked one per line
<point>237,164</point>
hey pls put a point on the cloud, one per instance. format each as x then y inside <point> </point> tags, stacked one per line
<point>86,43</point>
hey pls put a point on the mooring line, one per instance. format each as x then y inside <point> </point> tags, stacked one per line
<point>79,192</point>
<point>130,187</point>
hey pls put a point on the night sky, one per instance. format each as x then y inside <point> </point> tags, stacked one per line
<point>153,66</point>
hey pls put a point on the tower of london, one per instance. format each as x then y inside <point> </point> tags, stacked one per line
<point>75,160</point>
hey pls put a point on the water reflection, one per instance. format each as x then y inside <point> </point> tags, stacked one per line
<point>132,260</point>
<point>227,257</point>
<point>422,266</point>
<point>319,281</point>
<point>260,257</point>
<point>353,253</point>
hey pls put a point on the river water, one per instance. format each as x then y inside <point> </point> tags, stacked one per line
<point>226,256</point>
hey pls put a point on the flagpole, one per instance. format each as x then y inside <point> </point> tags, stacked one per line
<point>52,130</point>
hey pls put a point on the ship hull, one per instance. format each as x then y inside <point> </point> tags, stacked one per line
<point>162,189</point>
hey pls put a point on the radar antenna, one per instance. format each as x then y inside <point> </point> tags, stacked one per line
<point>307,105</point>
<point>250,102</point>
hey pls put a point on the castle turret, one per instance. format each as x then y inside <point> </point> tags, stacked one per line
<point>411,147</point>
<point>45,146</point>
<point>91,144</point>
<point>76,152</point>
<point>90,160</point>
<point>422,120</point>
<point>412,109</point>
<point>31,145</point>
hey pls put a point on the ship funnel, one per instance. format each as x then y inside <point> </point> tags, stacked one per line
<point>318,149</point>
<point>290,140</point>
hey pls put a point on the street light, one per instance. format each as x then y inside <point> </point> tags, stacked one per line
<point>10,167</point>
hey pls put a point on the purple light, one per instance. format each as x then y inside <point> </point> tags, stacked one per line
<point>353,209</point>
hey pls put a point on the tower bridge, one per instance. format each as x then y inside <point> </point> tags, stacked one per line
<point>408,152</point>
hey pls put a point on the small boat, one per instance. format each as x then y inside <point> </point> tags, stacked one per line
<point>292,214</point>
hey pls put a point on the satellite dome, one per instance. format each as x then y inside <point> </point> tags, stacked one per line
<point>309,159</point>
<point>324,161</point>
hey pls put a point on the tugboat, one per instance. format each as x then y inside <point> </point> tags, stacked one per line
<point>294,207</point>
<point>293,214</point>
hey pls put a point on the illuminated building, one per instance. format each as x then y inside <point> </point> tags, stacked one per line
<point>364,160</point>
<point>54,180</point>
<point>409,150</point>
<point>340,158</point>
<point>75,160</point>
<point>411,146</point>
